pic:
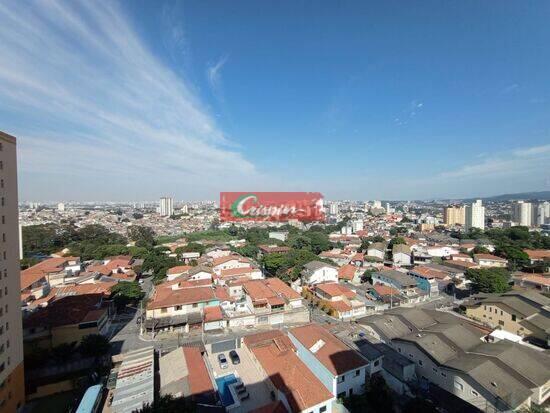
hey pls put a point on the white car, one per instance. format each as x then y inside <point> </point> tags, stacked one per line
<point>222,360</point>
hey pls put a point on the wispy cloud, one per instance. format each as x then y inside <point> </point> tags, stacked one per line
<point>84,93</point>
<point>509,89</point>
<point>409,112</point>
<point>509,163</point>
<point>214,75</point>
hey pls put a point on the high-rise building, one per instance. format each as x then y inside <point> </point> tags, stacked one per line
<point>61,207</point>
<point>522,213</point>
<point>475,216</point>
<point>166,207</point>
<point>541,215</point>
<point>454,215</point>
<point>376,204</point>
<point>333,208</point>
<point>12,385</point>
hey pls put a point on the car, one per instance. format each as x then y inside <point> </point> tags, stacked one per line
<point>222,360</point>
<point>235,359</point>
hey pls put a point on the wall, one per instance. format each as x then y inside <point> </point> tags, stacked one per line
<point>316,367</point>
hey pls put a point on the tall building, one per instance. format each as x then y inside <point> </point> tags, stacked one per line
<point>61,207</point>
<point>541,215</point>
<point>12,385</point>
<point>522,213</point>
<point>333,208</point>
<point>475,216</point>
<point>376,204</point>
<point>166,207</point>
<point>454,215</point>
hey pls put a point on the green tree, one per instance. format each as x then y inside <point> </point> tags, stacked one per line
<point>376,398</point>
<point>94,345</point>
<point>515,256</point>
<point>318,241</point>
<point>489,280</point>
<point>142,236</point>
<point>397,241</point>
<point>126,292</point>
<point>479,249</point>
<point>249,250</point>
<point>191,247</point>
<point>367,276</point>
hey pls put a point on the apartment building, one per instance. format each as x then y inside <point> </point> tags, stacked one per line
<point>454,215</point>
<point>522,213</point>
<point>475,216</point>
<point>12,386</point>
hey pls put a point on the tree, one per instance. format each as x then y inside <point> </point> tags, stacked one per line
<point>126,292</point>
<point>376,398</point>
<point>515,256</point>
<point>168,404</point>
<point>318,241</point>
<point>137,215</point>
<point>142,236</point>
<point>248,250</point>
<point>94,345</point>
<point>397,241</point>
<point>479,249</point>
<point>367,276</point>
<point>191,247</point>
<point>489,280</point>
<point>364,245</point>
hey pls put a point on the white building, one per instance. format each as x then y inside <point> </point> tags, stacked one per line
<point>357,225</point>
<point>541,214</point>
<point>333,208</point>
<point>61,207</point>
<point>376,204</point>
<point>522,213</point>
<point>475,216</point>
<point>166,207</point>
<point>316,272</point>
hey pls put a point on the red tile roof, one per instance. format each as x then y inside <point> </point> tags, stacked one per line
<point>200,383</point>
<point>383,290</point>
<point>180,269</point>
<point>335,290</point>
<point>213,314</point>
<point>40,270</point>
<point>538,254</point>
<point>430,272</point>
<point>347,272</point>
<point>274,407</point>
<point>166,297</point>
<point>488,257</point>
<point>333,354</point>
<point>287,372</point>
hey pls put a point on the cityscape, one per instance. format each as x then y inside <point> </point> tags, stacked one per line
<point>257,207</point>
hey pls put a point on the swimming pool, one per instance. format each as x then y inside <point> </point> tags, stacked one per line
<point>223,388</point>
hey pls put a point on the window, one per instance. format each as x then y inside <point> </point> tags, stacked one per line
<point>357,373</point>
<point>475,393</point>
<point>443,374</point>
<point>3,219</point>
<point>341,378</point>
<point>513,317</point>
<point>501,322</point>
<point>434,369</point>
<point>1,183</point>
<point>411,356</point>
<point>501,312</point>
<point>163,310</point>
<point>178,307</point>
<point>376,363</point>
<point>4,237</point>
<point>323,409</point>
<point>459,386</point>
<point>420,362</point>
<point>195,305</point>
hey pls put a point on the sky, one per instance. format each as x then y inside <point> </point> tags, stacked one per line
<point>134,100</point>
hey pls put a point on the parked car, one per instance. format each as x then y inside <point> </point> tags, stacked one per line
<point>235,359</point>
<point>222,360</point>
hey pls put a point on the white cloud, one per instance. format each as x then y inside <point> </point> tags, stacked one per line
<point>213,73</point>
<point>511,163</point>
<point>83,92</point>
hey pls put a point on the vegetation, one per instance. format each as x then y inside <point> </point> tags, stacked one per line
<point>142,236</point>
<point>126,292</point>
<point>489,280</point>
<point>94,345</point>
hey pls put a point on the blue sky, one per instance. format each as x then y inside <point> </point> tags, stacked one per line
<point>357,100</point>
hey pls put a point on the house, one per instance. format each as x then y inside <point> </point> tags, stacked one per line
<point>184,372</point>
<point>272,249</point>
<point>200,272</point>
<point>65,321</point>
<point>229,262</point>
<point>430,280</point>
<point>351,273</point>
<point>534,281</point>
<point>182,304</point>
<point>177,271</point>
<point>286,375</point>
<point>377,250</point>
<point>441,251</point>
<point>342,371</point>
<point>342,300</point>
<point>462,257</point>
<point>51,271</point>
<point>386,294</point>
<point>316,272</point>
<point>358,259</point>
<point>523,313</point>
<point>489,260</point>
<point>538,256</point>
<point>450,353</point>
<point>401,255</point>
<point>240,273</point>
<point>406,285</point>
<point>336,255</point>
